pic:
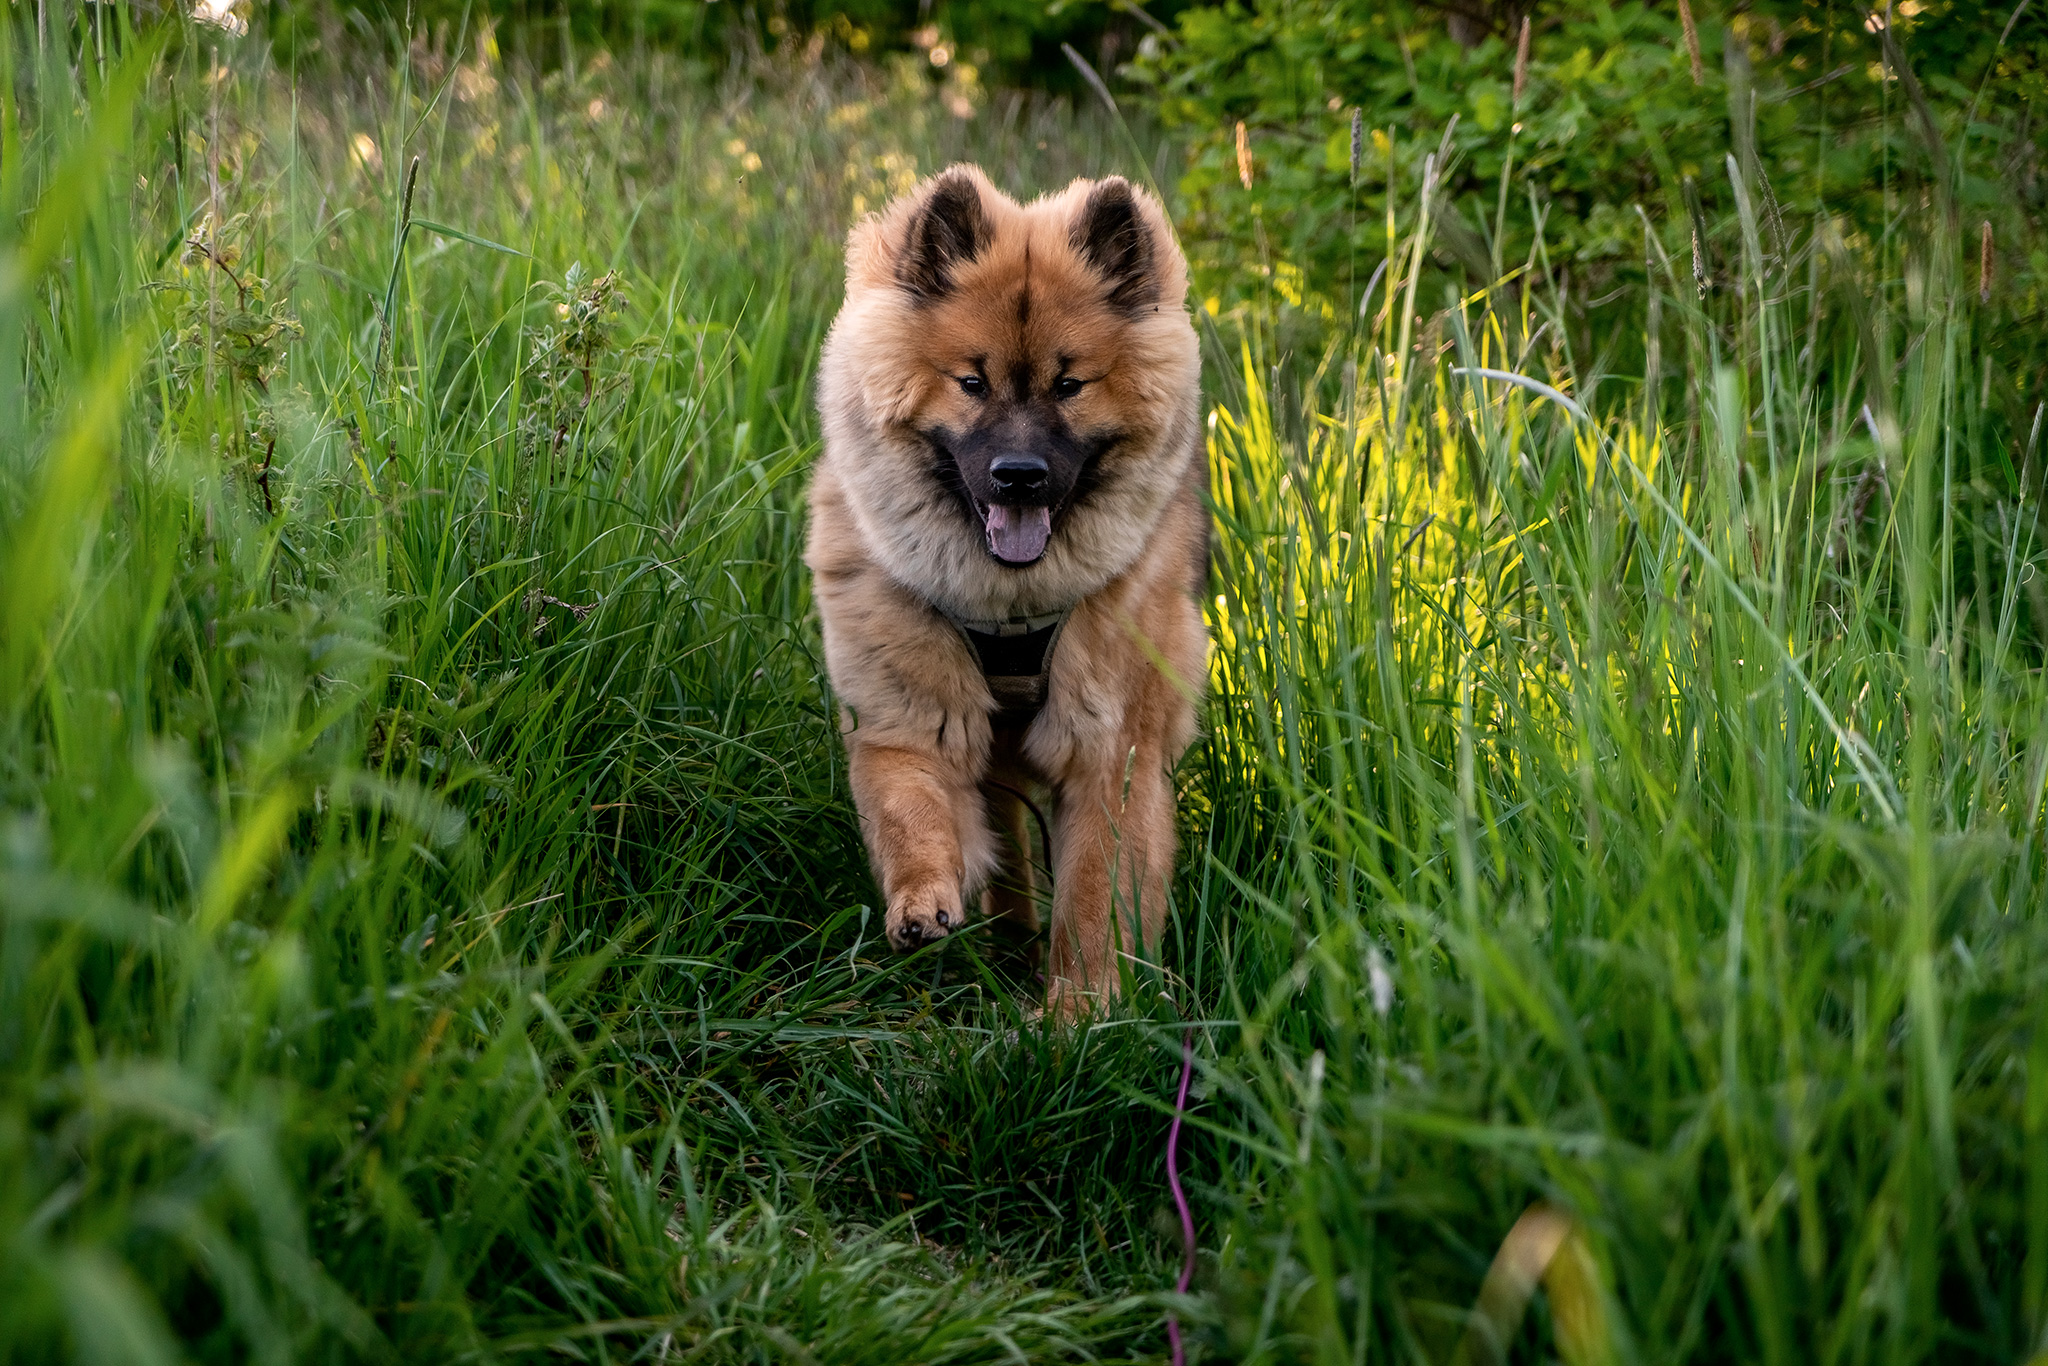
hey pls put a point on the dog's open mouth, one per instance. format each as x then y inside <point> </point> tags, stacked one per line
<point>1017,535</point>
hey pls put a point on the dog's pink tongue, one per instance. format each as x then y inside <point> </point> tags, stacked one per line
<point>1018,535</point>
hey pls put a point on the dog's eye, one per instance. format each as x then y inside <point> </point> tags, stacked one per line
<point>974,386</point>
<point>1066,386</point>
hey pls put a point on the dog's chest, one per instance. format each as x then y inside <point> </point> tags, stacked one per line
<point>1016,661</point>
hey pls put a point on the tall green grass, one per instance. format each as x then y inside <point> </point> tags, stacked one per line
<point>432,924</point>
<point>1638,788</point>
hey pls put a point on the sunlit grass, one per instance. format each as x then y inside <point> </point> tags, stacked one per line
<point>1649,816</point>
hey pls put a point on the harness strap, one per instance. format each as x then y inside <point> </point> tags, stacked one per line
<point>1016,659</point>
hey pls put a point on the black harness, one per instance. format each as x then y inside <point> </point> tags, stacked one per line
<point>1016,659</point>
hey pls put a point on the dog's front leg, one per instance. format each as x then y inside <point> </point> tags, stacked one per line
<point>1112,855</point>
<point>914,713</point>
<point>921,815</point>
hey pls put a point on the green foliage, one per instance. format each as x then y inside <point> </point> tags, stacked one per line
<point>1005,42</point>
<point>1609,116</point>
<point>229,339</point>
<point>242,342</point>
<point>575,365</point>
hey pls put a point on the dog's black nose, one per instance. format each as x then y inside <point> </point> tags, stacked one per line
<point>1016,474</point>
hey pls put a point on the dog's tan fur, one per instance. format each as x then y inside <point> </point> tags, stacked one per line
<point>935,770</point>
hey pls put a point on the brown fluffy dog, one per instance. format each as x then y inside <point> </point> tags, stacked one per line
<point>1008,541</point>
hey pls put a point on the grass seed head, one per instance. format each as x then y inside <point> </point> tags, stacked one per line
<point>1244,155</point>
<point>1692,42</point>
<point>1521,64</point>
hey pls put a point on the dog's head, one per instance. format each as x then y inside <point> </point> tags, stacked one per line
<point>1037,358</point>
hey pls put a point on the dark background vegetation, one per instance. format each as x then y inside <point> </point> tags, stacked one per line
<point>1619,108</point>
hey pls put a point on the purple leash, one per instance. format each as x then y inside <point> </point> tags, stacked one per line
<point>1180,1200</point>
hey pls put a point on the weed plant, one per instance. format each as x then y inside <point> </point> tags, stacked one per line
<point>432,924</point>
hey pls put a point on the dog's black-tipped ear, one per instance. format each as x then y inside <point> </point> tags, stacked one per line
<point>1114,237</point>
<point>949,229</point>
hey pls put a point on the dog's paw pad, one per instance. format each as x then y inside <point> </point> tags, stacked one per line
<point>919,920</point>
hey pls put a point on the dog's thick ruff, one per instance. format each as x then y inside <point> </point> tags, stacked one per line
<point>999,370</point>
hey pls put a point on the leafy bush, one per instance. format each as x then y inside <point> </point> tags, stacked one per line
<point>1615,108</point>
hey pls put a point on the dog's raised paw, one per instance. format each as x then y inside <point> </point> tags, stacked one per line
<point>919,917</point>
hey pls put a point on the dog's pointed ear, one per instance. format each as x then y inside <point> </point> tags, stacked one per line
<point>1113,235</point>
<point>947,231</point>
